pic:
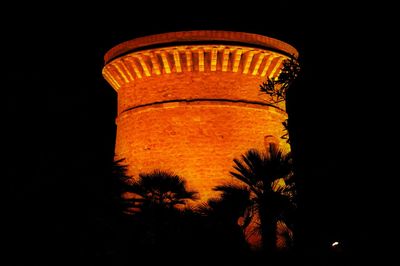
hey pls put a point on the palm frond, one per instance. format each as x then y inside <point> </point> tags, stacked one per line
<point>161,189</point>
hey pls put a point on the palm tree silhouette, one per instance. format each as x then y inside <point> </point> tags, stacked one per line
<point>232,207</point>
<point>160,189</point>
<point>226,218</point>
<point>157,202</point>
<point>268,175</point>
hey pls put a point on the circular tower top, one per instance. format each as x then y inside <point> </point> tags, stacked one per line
<point>200,37</point>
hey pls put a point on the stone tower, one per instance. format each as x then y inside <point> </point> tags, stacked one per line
<point>189,102</point>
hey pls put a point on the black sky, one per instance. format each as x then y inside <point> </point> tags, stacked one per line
<point>60,112</point>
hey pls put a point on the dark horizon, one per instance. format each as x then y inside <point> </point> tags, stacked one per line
<point>60,118</point>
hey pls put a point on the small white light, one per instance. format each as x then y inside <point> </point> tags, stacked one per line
<point>335,243</point>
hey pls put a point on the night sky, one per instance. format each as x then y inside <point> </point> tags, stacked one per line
<point>60,115</point>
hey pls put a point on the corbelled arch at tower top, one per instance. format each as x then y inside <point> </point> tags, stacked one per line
<point>189,102</point>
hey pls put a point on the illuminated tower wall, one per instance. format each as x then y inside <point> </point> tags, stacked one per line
<point>189,102</point>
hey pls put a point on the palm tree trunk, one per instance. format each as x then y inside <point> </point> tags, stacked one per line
<point>268,230</point>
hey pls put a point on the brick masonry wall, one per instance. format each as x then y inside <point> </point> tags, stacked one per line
<point>191,85</point>
<point>196,140</point>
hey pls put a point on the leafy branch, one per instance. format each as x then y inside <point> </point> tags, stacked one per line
<point>286,131</point>
<point>277,88</point>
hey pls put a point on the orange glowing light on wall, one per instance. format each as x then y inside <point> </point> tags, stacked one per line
<point>189,102</point>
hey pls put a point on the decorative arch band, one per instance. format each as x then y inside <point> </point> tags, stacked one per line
<point>193,58</point>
